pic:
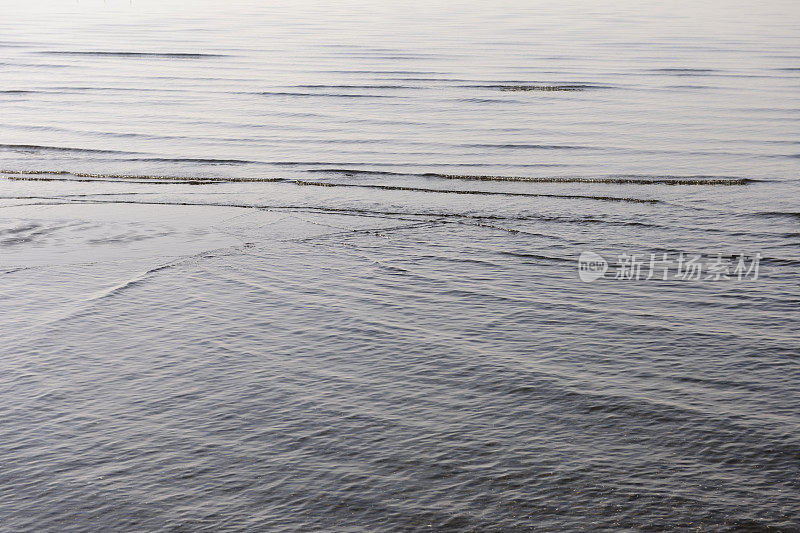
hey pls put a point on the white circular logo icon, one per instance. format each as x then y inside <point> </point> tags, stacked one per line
<point>591,266</point>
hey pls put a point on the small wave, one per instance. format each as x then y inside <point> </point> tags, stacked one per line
<point>335,95</point>
<point>684,71</point>
<point>412,72</point>
<point>523,88</point>
<point>136,280</point>
<point>195,160</point>
<point>672,180</point>
<point>781,141</point>
<point>482,101</point>
<point>453,80</point>
<point>37,65</point>
<point>529,146</point>
<point>150,180</point>
<point>779,214</point>
<point>353,211</point>
<point>356,86</point>
<point>67,89</point>
<point>394,57</point>
<point>91,175</point>
<point>410,164</point>
<point>546,88</point>
<point>38,148</point>
<point>615,180</point>
<point>353,172</point>
<point>309,163</point>
<point>41,175</point>
<point>32,232</point>
<point>164,55</point>
<point>538,257</point>
<point>782,262</point>
<point>479,193</point>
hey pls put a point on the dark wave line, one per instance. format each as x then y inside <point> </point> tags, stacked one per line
<point>524,88</point>
<point>132,177</point>
<point>376,54</point>
<point>363,212</point>
<point>142,180</point>
<point>781,262</point>
<point>354,211</point>
<point>779,214</point>
<point>479,193</point>
<point>37,147</point>
<point>227,161</point>
<point>538,256</point>
<point>350,171</point>
<point>356,86</point>
<point>382,231</point>
<point>37,65</point>
<point>205,181</point>
<point>67,89</point>
<point>434,79</point>
<point>684,70</point>
<point>194,160</point>
<point>380,72</point>
<point>609,180</point>
<point>474,219</point>
<point>335,95</point>
<point>530,146</point>
<point>392,173</point>
<point>546,88</point>
<point>638,180</point>
<point>304,208</point>
<point>202,181</point>
<point>688,86</point>
<point>619,180</point>
<point>166,55</point>
<point>483,101</point>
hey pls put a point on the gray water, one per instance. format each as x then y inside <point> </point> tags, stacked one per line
<point>314,267</point>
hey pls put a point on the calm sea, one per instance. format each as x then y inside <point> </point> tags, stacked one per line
<point>314,266</point>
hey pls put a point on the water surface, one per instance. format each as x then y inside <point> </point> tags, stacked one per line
<point>314,267</point>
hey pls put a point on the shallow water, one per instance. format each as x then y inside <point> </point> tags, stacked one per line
<point>315,267</point>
